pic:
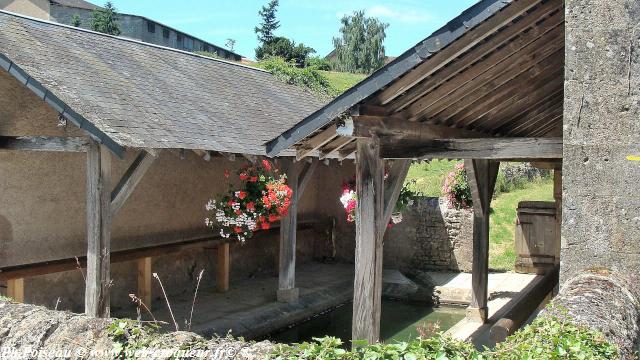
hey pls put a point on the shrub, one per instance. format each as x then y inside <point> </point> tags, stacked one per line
<point>319,63</point>
<point>284,48</point>
<point>308,78</point>
<point>456,188</point>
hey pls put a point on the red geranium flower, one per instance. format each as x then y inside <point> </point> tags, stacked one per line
<point>242,195</point>
<point>253,179</point>
<point>265,226</point>
<point>251,205</point>
<point>226,173</point>
<point>237,229</point>
<point>273,218</point>
<point>243,176</point>
<point>266,164</point>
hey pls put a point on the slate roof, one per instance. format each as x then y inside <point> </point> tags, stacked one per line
<point>143,95</point>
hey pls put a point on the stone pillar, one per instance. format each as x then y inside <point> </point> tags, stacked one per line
<point>601,201</point>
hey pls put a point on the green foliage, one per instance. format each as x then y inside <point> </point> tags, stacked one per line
<point>269,23</point>
<point>360,48</point>
<point>286,49</point>
<point>75,20</point>
<point>308,78</point>
<point>407,197</point>
<point>129,336</point>
<point>550,337</point>
<point>546,338</point>
<point>105,20</point>
<point>318,63</point>
<point>5,298</point>
<point>427,177</point>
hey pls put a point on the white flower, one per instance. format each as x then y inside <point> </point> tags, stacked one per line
<point>396,218</point>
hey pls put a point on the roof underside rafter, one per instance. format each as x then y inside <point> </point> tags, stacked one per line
<point>502,78</point>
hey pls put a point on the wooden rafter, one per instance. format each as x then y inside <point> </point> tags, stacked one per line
<point>316,142</point>
<point>130,180</point>
<point>506,101</point>
<point>333,147</point>
<point>347,150</point>
<point>457,48</point>
<point>489,148</point>
<point>500,39</point>
<point>305,175</point>
<point>43,143</point>
<point>468,86</point>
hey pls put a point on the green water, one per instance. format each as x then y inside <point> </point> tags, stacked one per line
<point>399,321</point>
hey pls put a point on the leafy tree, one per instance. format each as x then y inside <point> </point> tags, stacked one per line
<point>230,44</point>
<point>269,23</point>
<point>75,20</point>
<point>360,49</point>
<point>105,20</point>
<point>286,49</point>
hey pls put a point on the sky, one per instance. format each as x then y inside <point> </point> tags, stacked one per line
<point>312,22</point>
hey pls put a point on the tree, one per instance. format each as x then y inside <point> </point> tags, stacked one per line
<point>286,49</point>
<point>269,23</point>
<point>360,49</point>
<point>105,20</point>
<point>230,44</point>
<point>75,20</point>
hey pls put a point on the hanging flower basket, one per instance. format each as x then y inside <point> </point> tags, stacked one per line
<point>261,199</point>
<point>349,201</point>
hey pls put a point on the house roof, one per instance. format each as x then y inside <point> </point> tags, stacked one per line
<point>495,69</point>
<point>141,95</point>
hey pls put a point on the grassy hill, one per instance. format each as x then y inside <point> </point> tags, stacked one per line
<point>342,81</point>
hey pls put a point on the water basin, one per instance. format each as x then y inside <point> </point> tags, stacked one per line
<point>399,322</point>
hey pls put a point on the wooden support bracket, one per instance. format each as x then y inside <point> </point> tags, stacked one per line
<point>222,268</point>
<point>130,180</point>
<point>144,280</point>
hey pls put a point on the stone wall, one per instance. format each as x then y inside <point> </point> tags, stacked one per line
<point>601,202</point>
<point>430,237</point>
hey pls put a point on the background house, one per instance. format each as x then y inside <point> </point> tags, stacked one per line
<point>132,26</point>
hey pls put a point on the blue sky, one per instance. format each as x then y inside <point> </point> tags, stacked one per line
<point>313,22</point>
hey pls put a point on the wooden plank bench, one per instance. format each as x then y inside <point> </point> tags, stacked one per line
<point>15,275</point>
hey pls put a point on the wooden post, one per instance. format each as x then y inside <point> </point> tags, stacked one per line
<point>144,280</point>
<point>222,268</point>
<point>482,176</point>
<point>15,289</point>
<point>287,290</point>
<point>368,258</point>
<point>98,231</point>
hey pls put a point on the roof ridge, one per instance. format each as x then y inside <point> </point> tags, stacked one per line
<point>130,40</point>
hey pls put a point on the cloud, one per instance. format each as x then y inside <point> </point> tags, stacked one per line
<point>403,15</point>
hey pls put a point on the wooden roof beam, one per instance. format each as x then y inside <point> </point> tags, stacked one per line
<point>489,148</point>
<point>316,142</point>
<point>398,128</point>
<point>457,48</point>
<point>43,143</point>
<point>485,49</point>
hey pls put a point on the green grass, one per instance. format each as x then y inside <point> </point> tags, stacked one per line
<point>429,177</point>
<point>502,254</point>
<point>342,81</point>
